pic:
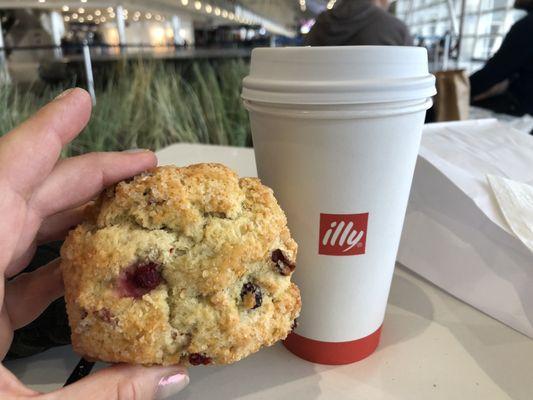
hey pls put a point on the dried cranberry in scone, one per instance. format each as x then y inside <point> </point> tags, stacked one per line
<point>294,324</point>
<point>83,313</point>
<point>199,359</point>
<point>251,296</point>
<point>283,265</point>
<point>140,279</point>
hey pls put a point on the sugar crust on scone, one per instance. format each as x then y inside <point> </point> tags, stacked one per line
<point>215,256</point>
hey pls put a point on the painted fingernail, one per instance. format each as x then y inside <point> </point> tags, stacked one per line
<point>65,93</point>
<point>170,385</point>
<point>136,150</point>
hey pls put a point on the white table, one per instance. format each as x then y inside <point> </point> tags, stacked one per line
<point>433,346</point>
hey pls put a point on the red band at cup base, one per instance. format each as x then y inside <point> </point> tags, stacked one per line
<point>333,353</point>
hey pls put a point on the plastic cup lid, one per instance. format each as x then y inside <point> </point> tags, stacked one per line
<point>338,75</point>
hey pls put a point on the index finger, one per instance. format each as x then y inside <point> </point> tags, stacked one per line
<point>29,152</point>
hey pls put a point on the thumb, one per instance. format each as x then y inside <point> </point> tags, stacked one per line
<point>128,382</point>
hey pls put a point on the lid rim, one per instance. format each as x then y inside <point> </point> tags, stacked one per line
<point>339,101</point>
<point>356,94</point>
<point>338,75</point>
<point>272,86</point>
<point>336,114</point>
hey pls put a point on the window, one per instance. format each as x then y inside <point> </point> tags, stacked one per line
<point>485,24</point>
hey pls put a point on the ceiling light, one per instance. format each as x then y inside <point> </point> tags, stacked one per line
<point>197,5</point>
<point>83,1</point>
<point>208,8</point>
<point>67,18</point>
<point>148,15</point>
<point>89,17</point>
<point>81,10</point>
<point>110,9</point>
<point>217,11</point>
<point>74,16</point>
<point>102,19</point>
<point>98,13</point>
<point>81,19</point>
<point>224,14</point>
<point>185,2</point>
<point>42,1</point>
<point>231,16</point>
<point>158,17</point>
<point>65,8</point>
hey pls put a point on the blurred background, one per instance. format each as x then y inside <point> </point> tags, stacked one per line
<point>166,71</point>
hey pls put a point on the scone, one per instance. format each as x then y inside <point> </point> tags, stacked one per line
<point>180,265</point>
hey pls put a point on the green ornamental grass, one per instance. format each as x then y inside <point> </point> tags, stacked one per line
<point>150,104</point>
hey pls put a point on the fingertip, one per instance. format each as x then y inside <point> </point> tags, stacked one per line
<point>155,161</point>
<point>151,158</point>
<point>158,371</point>
<point>168,388</point>
<point>77,97</point>
<point>82,96</point>
<point>148,157</point>
<point>74,91</point>
<point>174,370</point>
<point>128,381</point>
<point>66,115</point>
<point>172,383</point>
<point>169,380</point>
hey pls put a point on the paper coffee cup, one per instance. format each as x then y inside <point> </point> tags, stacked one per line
<point>336,134</point>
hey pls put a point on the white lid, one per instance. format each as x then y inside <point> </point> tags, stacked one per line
<point>338,75</point>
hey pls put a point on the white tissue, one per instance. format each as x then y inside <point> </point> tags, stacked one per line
<point>516,203</point>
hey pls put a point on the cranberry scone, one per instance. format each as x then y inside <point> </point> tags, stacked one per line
<point>180,265</point>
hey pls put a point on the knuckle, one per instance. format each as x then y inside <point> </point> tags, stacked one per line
<point>129,389</point>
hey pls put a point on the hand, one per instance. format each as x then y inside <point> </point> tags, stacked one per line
<point>41,198</point>
<point>495,90</point>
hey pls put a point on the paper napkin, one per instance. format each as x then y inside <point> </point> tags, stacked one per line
<point>516,203</point>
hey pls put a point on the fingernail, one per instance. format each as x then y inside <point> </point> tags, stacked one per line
<point>136,150</point>
<point>65,93</point>
<point>170,385</point>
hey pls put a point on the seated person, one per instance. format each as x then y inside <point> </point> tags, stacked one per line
<point>358,22</point>
<point>505,83</point>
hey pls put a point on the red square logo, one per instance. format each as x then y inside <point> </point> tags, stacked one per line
<point>342,234</point>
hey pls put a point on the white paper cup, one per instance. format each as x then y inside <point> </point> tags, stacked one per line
<point>336,134</point>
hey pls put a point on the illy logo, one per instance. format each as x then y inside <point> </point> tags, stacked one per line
<point>342,234</point>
